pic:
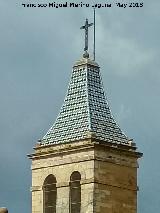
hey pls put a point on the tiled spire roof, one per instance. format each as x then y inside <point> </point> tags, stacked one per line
<point>85,111</point>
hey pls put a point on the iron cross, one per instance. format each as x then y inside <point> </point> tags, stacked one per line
<point>86,26</point>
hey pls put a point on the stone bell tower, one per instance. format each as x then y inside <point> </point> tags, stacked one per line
<point>85,163</point>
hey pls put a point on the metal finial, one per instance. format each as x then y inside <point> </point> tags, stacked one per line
<point>85,54</point>
<point>85,27</point>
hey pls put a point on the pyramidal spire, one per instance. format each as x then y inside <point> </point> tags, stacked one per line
<point>85,112</point>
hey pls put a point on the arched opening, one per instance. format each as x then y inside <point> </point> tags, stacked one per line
<point>75,192</point>
<point>49,194</point>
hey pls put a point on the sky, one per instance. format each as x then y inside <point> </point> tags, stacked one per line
<point>38,47</point>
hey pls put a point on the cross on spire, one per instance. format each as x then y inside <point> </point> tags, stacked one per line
<point>85,27</point>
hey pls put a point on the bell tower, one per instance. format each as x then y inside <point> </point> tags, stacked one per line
<point>85,163</point>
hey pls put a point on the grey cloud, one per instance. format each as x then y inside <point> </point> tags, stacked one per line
<point>38,49</point>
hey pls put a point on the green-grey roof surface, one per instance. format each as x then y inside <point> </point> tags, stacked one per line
<point>85,109</point>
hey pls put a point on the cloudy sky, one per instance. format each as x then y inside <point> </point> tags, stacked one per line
<point>38,47</point>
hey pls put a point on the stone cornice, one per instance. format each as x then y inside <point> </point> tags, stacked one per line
<point>85,61</point>
<point>78,146</point>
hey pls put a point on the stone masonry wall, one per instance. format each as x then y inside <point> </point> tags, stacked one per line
<point>116,183</point>
<point>61,167</point>
<point>108,177</point>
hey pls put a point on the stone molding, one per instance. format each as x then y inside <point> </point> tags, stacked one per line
<point>66,148</point>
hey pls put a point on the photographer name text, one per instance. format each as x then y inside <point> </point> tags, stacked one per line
<point>81,4</point>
